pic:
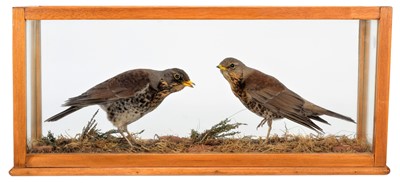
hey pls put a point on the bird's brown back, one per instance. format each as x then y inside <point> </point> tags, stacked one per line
<point>123,85</point>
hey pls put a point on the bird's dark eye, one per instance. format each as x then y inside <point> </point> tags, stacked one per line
<point>232,65</point>
<point>177,76</point>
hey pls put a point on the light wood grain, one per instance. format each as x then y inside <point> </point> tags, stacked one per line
<point>382,86</point>
<point>168,164</point>
<point>19,88</point>
<point>196,160</point>
<point>202,171</point>
<point>235,13</point>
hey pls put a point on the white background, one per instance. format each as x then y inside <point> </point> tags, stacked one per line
<point>6,157</point>
<point>316,59</point>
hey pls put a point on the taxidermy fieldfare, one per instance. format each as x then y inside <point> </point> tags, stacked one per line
<point>270,99</point>
<point>129,96</point>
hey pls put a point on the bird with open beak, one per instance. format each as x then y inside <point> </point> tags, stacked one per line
<point>129,96</point>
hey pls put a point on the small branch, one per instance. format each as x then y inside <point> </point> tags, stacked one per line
<point>220,130</point>
<point>90,128</point>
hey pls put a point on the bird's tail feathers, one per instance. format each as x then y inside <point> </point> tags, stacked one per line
<point>314,109</point>
<point>315,117</point>
<point>337,115</point>
<point>63,113</point>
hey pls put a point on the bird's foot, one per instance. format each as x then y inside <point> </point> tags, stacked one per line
<point>132,142</point>
<point>141,147</point>
<point>261,123</point>
<point>263,141</point>
<point>136,146</point>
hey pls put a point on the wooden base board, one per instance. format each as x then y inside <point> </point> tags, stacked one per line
<point>204,171</point>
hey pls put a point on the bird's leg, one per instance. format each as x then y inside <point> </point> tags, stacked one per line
<point>262,123</point>
<point>269,122</point>
<point>130,137</point>
<point>269,129</point>
<point>121,131</point>
<point>131,140</point>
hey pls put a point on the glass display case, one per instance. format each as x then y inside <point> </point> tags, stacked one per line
<point>311,97</point>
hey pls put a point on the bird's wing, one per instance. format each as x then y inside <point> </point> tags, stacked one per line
<point>124,85</point>
<point>273,95</point>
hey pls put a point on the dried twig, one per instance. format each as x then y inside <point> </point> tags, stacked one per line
<point>90,129</point>
<point>220,130</point>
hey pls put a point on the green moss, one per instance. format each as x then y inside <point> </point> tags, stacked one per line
<point>220,138</point>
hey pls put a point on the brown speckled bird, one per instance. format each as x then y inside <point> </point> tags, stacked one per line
<point>128,96</point>
<point>270,99</point>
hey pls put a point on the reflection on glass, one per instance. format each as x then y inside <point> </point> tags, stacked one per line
<point>34,126</point>
<point>371,79</point>
<point>318,59</point>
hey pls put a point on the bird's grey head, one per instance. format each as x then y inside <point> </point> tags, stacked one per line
<point>176,79</point>
<point>231,68</point>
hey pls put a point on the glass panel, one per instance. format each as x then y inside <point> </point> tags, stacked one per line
<point>29,84</point>
<point>316,59</point>
<point>371,80</point>
<point>34,131</point>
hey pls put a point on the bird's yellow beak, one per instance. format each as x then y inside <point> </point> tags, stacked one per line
<point>188,83</point>
<point>222,68</point>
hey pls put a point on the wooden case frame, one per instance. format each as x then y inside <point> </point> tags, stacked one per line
<point>170,164</point>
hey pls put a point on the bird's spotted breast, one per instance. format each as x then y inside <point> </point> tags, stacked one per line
<point>251,104</point>
<point>261,110</point>
<point>128,110</point>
